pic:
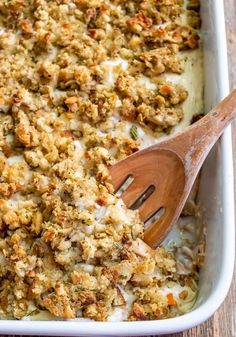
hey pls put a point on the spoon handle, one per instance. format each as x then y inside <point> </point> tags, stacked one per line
<point>194,144</point>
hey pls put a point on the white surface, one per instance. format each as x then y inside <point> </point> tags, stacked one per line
<point>217,196</point>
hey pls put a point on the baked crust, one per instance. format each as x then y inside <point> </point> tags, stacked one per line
<point>66,241</point>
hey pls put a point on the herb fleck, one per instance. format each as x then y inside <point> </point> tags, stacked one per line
<point>133,132</point>
<point>118,245</point>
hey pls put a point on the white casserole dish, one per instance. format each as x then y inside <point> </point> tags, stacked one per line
<point>216,196</point>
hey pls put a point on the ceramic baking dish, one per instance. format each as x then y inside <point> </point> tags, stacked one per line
<point>216,198</point>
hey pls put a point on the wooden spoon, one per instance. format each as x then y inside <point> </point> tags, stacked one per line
<point>168,170</point>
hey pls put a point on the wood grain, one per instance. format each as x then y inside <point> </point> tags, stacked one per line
<point>223,323</point>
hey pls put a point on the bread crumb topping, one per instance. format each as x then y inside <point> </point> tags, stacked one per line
<point>71,75</point>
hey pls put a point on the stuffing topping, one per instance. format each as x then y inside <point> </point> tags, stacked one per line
<point>71,81</point>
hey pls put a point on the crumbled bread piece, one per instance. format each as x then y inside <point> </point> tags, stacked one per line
<point>70,78</point>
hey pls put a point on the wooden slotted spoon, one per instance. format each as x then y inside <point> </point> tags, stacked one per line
<point>169,169</point>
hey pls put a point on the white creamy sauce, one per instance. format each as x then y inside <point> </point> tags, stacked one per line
<point>100,212</point>
<point>41,122</point>
<point>3,107</point>
<point>52,55</point>
<point>72,5</point>
<point>118,103</point>
<point>156,274</point>
<point>78,145</point>
<point>101,133</point>
<point>115,7</point>
<point>15,200</point>
<point>12,203</point>
<point>110,66</point>
<point>9,138</point>
<point>86,267</point>
<point>58,94</point>
<point>146,82</point>
<point>129,298</point>
<point>192,80</point>
<point>174,290</point>
<point>121,313</point>
<point>15,159</point>
<point>145,137</point>
<point>40,316</point>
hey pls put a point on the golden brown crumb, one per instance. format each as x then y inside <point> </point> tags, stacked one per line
<point>68,245</point>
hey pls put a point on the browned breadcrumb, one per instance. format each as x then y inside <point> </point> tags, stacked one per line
<point>67,243</point>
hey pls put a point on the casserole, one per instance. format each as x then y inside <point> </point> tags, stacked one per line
<point>212,280</point>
